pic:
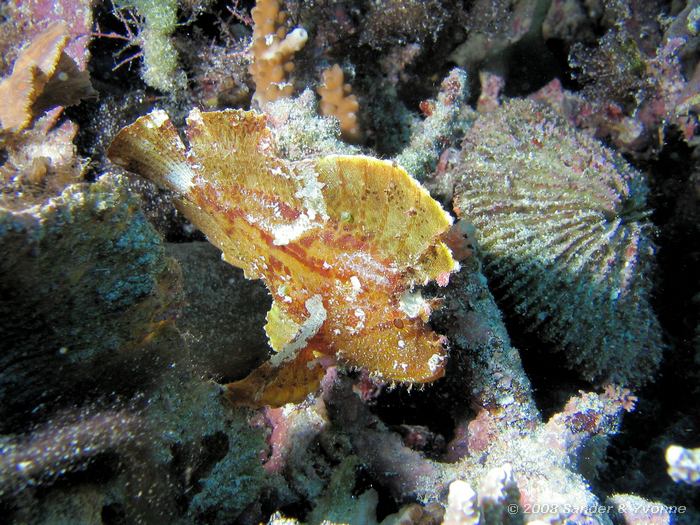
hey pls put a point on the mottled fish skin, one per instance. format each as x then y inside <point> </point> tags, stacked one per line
<point>340,242</point>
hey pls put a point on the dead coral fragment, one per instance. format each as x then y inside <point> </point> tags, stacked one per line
<point>42,77</point>
<point>339,241</point>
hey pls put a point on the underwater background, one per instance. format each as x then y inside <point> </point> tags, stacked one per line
<point>350,262</point>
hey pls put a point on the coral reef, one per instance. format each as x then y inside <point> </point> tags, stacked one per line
<point>184,457</point>
<point>40,159</point>
<point>507,445</point>
<point>40,162</point>
<point>401,21</point>
<point>220,75</point>
<point>498,493</point>
<point>342,209</point>
<point>356,357</point>
<point>207,447</point>
<point>564,230</point>
<point>24,20</point>
<point>491,87</point>
<point>12,27</point>
<point>428,138</point>
<point>569,20</point>
<point>636,84</point>
<point>493,27</point>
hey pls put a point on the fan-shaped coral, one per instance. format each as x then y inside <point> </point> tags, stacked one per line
<point>563,226</point>
<point>339,241</point>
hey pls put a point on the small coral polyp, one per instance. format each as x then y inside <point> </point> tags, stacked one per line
<point>340,242</point>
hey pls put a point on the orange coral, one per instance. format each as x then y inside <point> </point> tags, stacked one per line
<point>272,50</point>
<point>339,241</point>
<point>337,101</point>
<point>43,77</point>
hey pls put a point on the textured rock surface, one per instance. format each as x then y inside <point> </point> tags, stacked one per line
<point>178,456</point>
<point>87,294</point>
<point>223,316</point>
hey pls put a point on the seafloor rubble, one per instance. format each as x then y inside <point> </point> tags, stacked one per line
<point>363,262</point>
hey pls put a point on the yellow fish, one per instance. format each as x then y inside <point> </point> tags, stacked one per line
<point>340,242</point>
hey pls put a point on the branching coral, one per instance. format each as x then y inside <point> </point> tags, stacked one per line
<point>272,51</point>
<point>429,136</point>
<point>339,241</point>
<point>564,228</point>
<point>337,101</point>
<point>531,463</point>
